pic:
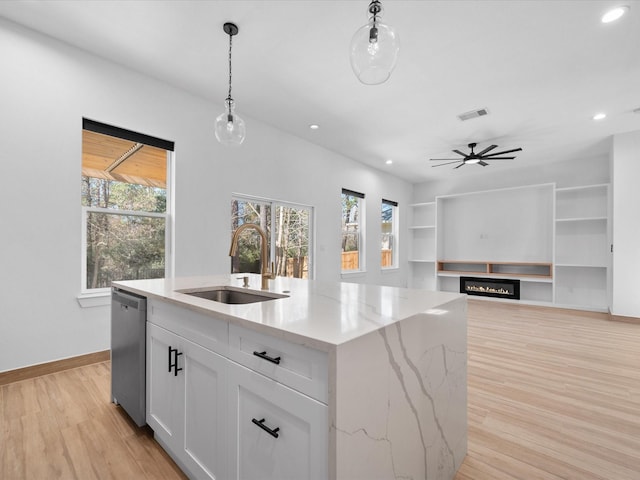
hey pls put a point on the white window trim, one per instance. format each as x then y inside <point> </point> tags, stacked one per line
<point>97,297</point>
<point>396,243</point>
<point>362,248</point>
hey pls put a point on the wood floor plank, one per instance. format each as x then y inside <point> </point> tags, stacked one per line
<point>81,462</point>
<point>42,440</point>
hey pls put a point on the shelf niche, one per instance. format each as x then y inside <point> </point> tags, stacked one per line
<point>497,269</point>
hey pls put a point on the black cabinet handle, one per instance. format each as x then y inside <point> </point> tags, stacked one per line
<point>176,369</point>
<point>266,357</point>
<point>260,423</point>
<point>174,364</point>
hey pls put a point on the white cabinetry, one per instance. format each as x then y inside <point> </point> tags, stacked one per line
<point>422,238</point>
<point>563,234</point>
<point>582,246</point>
<point>187,402</point>
<point>202,405</point>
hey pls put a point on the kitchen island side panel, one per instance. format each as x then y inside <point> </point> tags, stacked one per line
<point>400,399</point>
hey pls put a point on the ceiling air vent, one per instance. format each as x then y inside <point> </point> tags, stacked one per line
<point>473,114</point>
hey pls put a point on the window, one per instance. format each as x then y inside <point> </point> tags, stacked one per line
<point>289,239</point>
<point>389,219</point>
<point>124,206</point>
<point>352,228</point>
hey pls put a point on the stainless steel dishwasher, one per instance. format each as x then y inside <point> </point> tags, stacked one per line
<point>128,353</point>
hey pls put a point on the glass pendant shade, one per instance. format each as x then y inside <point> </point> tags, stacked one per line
<point>230,129</point>
<point>374,52</point>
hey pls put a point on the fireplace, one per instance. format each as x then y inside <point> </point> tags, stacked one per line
<point>491,287</point>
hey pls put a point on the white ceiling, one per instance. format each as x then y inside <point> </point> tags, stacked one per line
<point>542,68</point>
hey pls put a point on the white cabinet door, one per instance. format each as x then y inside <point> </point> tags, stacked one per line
<point>274,432</point>
<point>205,450</point>
<point>186,407</point>
<point>164,388</point>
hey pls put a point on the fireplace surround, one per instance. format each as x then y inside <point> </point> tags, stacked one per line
<point>491,287</point>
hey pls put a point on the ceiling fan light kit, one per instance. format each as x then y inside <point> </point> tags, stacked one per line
<point>374,49</point>
<point>229,127</point>
<point>479,158</point>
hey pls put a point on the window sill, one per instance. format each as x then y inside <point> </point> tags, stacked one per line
<point>354,274</point>
<point>389,270</point>
<point>94,299</point>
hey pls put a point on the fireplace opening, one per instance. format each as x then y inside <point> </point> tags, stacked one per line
<point>491,287</point>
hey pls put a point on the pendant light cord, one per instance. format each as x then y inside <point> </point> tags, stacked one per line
<point>374,9</point>
<point>230,40</point>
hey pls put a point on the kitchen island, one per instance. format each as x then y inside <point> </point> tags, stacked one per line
<point>325,380</point>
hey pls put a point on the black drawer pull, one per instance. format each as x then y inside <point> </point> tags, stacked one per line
<point>266,357</point>
<point>260,423</point>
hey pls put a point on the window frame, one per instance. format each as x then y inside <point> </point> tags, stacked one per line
<point>394,234</point>
<point>110,211</point>
<point>361,209</point>
<point>273,204</point>
<point>88,296</point>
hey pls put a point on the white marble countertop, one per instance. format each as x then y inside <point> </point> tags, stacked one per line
<point>319,314</point>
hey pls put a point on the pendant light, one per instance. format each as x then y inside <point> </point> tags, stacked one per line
<point>230,129</point>
<point>374,49</point>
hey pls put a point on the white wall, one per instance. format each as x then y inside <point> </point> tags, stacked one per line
<point>46,89</point>
<point>570,173</point>
<point>626,223</point>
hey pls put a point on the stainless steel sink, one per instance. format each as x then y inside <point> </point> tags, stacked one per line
<point>232,295</point>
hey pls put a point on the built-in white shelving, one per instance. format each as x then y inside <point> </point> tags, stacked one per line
<point>582,253</point>
<point>556,241</point>
<point>422,238</point>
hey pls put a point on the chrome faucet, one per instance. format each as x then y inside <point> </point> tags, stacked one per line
<point>264,264</point>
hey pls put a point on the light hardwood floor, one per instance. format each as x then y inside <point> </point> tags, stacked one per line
<point>63,426</point>
<point>553,394</point>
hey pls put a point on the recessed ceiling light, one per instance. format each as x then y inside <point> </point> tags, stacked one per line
<point>615,13</point>
<point>599,116</point>
<point>389,162</point>
<point>314,126</point>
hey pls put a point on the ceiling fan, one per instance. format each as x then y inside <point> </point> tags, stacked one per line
<point>479,158</point>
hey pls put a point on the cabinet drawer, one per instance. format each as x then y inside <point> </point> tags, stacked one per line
<point>302,368</point>
<point>204,330</point>
<point>275,433</point>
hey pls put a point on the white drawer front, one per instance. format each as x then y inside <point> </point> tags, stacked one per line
<point>302,368</point>
<point>204,330</point>
<point>275,432</point>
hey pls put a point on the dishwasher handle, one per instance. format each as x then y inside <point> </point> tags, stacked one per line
<point>128,299</point>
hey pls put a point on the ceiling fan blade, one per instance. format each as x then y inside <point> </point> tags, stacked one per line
<point>459,165</point>
<point>448,163</point>
<point>445,159</point>
<point>498,158</point>
<point>484,164</point>
<point>488,149</point>
<point>505,151</point>
<point>460,153</point>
